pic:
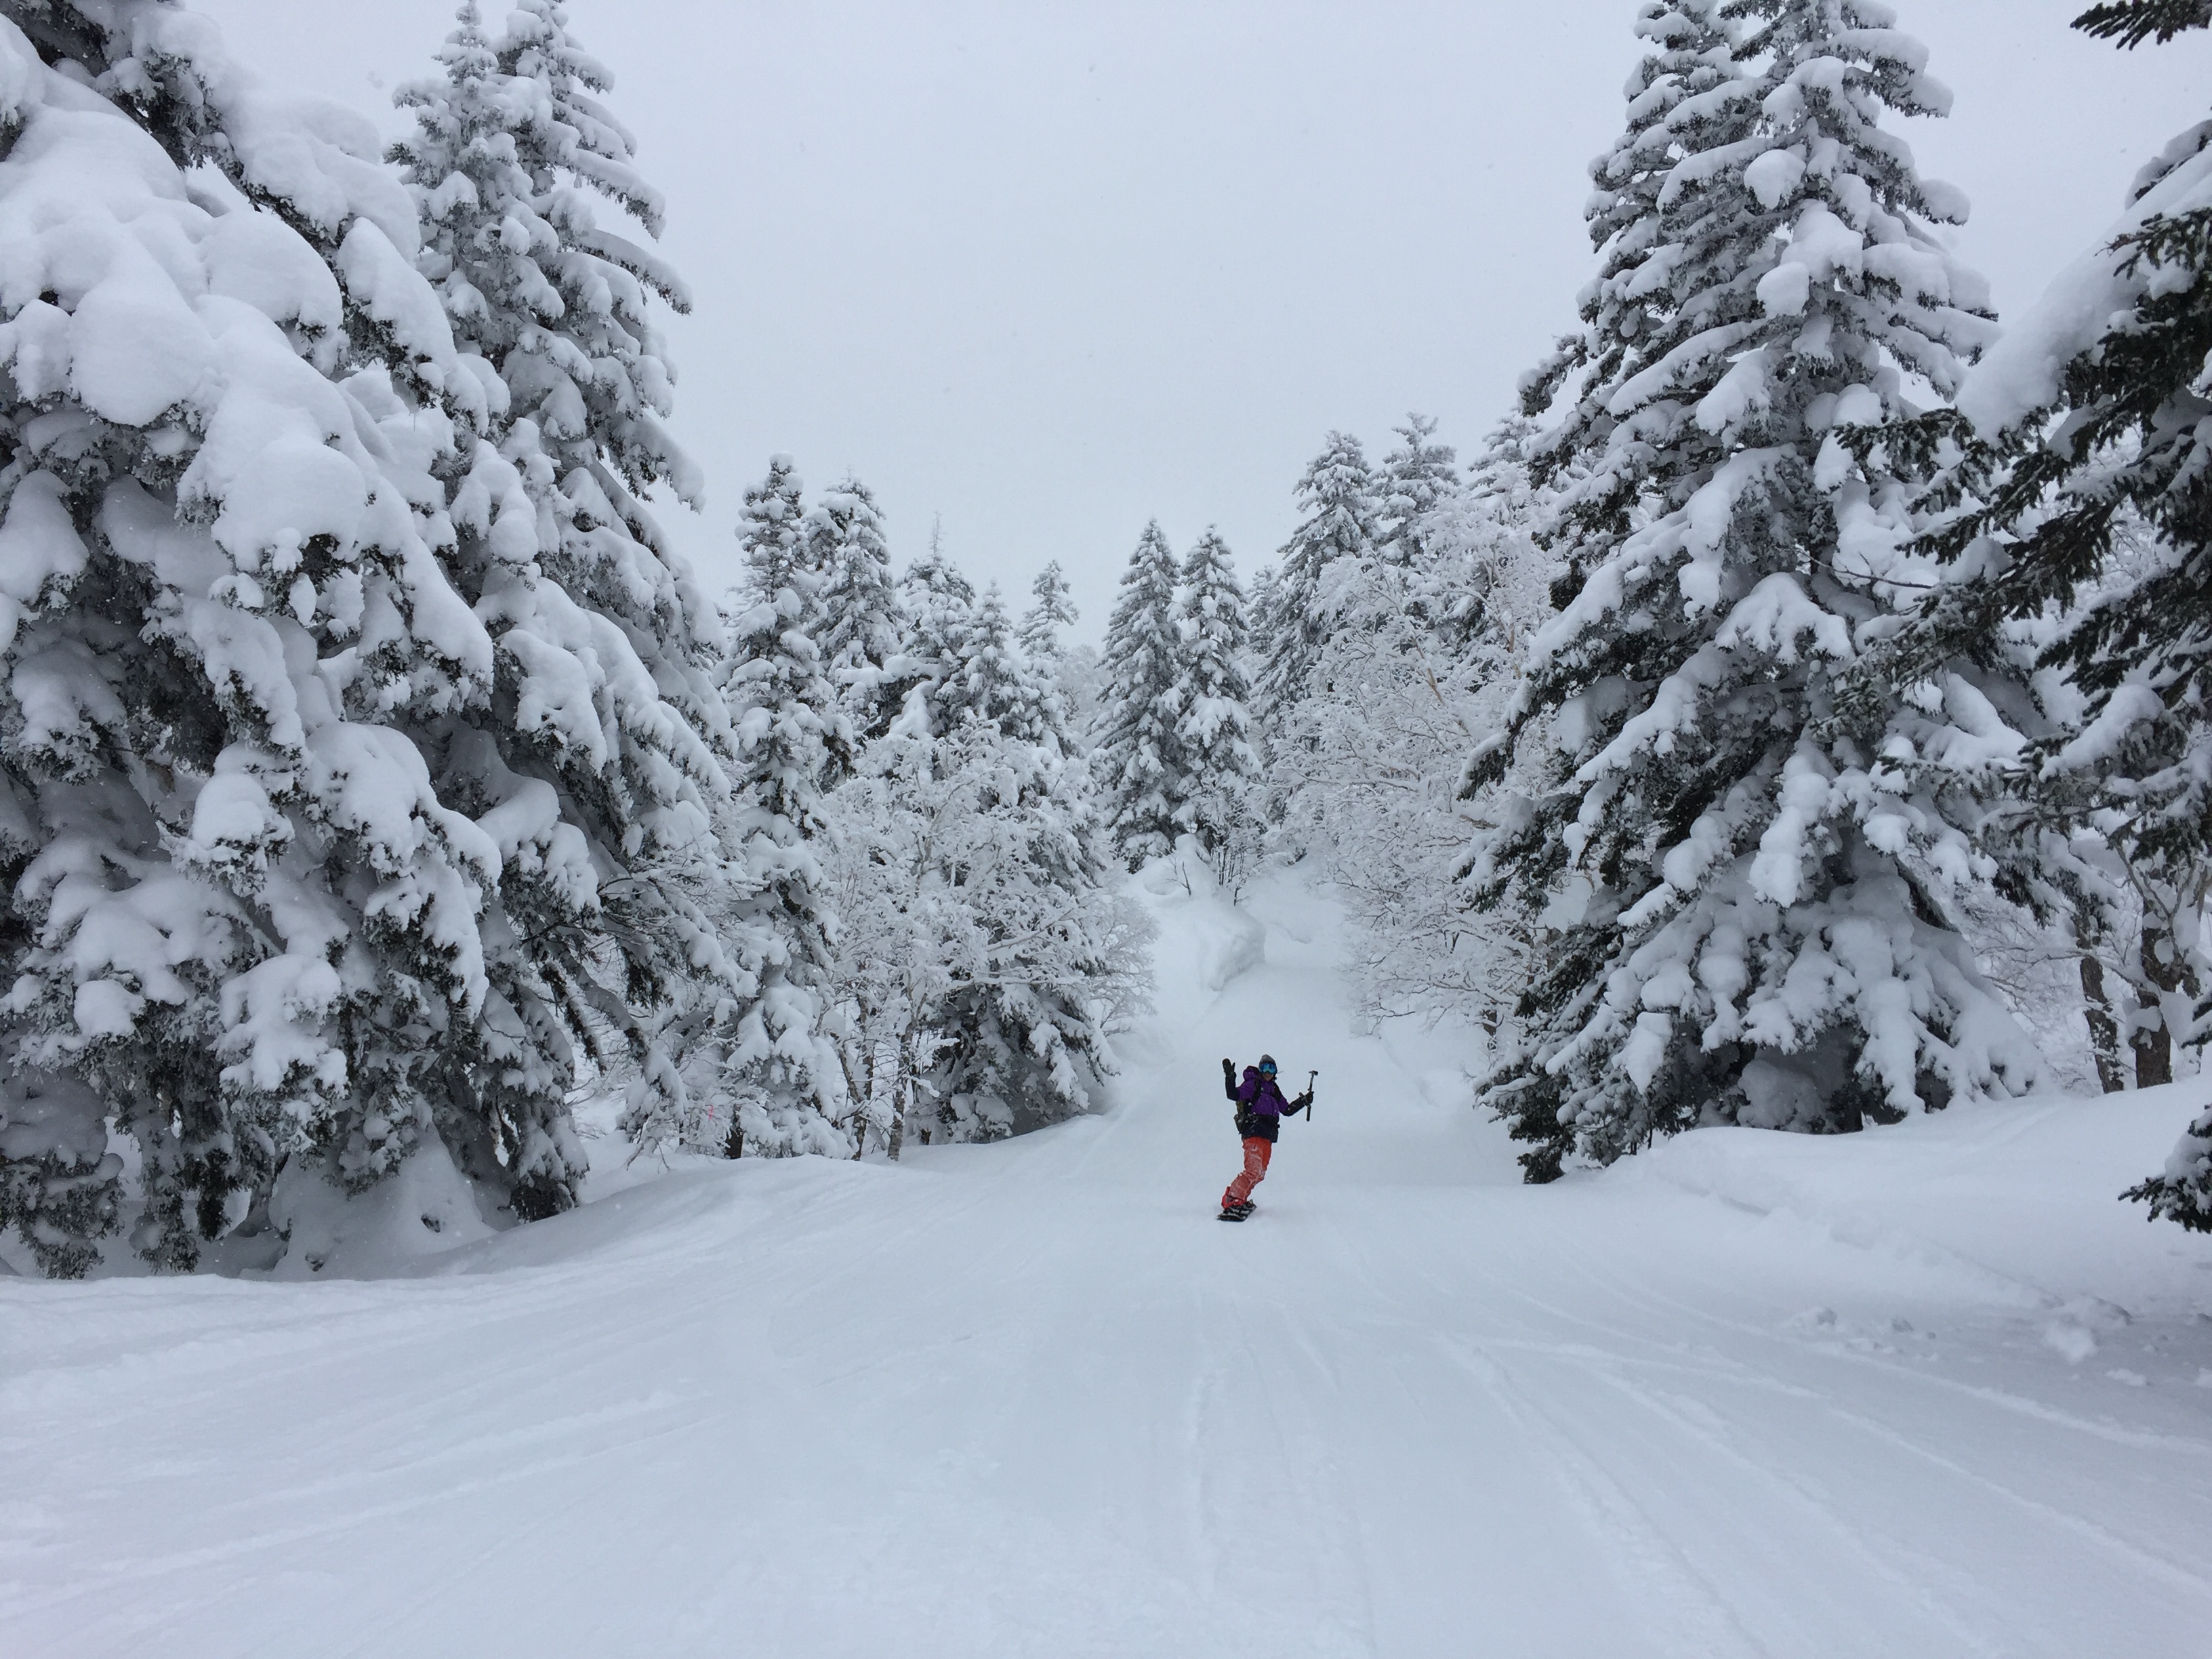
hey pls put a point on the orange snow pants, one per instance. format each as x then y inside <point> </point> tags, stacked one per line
<point>1256,1154</point>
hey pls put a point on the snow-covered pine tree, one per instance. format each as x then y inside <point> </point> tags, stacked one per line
<point>984,959</point>
<point>994,682</point>
<point>1688,97</point>
<point>773,545</point>
<point>1222,805</point>
<point>2086,487</point>
<point>1137,751</point>
<point>606,647</point>
<point>1426,659</point>
<point>939,604</point>
<point>1762,933</point>
<point>1057,955</point>
<point>1415,478</point>
<point>864,624</point>
<point>737,1057</point>
<point>1338,496</point>
<point>1054,610</point>
<point>782,1077</point>
<point>1025,1025</point>
<point>1486,592</point>
<point>982,956</point>
<point>596,376</point>
<point>248,932</point>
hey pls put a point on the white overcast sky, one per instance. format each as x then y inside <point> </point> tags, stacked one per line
<point>1047,269</point>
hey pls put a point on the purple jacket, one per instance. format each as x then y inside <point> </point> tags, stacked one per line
<point>1260,1105</point>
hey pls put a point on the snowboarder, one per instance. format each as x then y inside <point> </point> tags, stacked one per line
<point>1259,1110</point>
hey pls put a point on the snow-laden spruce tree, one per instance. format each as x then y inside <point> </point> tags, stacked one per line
<point>985,959</point>
<point>772,540</point>
<point>1138,754</point>
<point>862,633</point>
<point>1488,589</point>
<point>1415,478</point>
<point>248,936</point>
<point>738,1058</point>
<point>562,304</point>
<point>1629,428</point>
<point>606,647</point>
<point>1749,888</point>
<point>2084,486</point>
<point>1339,497</point>
<point>1053,610</point>
<point>781,1076</point>
<point>939,606</point>
<point>994,681</point>
<point>1223,804</point>
<point>1425,665</point>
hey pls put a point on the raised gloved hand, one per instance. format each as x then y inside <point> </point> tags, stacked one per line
<point>1303,1101</point>
<point>1229,1068</point>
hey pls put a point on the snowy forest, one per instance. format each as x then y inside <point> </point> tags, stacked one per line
<point>615,1045</point>
<point>1793,714</point>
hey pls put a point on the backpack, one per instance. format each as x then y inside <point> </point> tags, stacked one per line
<point>1248,1122</point>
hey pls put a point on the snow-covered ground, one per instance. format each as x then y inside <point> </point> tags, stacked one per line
<point>1918,1393</point>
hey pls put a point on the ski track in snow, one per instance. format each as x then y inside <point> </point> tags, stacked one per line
<point>1747,1396</point>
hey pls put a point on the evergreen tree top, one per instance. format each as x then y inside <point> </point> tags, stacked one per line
<point>1140,632</point>
<point>1212,614</point>
<point>1208,572</point>
<point>771,530</point>
<point>1769,264</point>
<point>1338,492</point>
<point>506,159</point>
<point>933,579</point>
<point>577,131</point>
<point>941,609</point>
<point>1212,688</point>
<point>991,681</point>
<point>847,510</point>
<point>1416,460</point>
<point>1148,586</point>
<point>1415,477</point>
<point>1054,610</point>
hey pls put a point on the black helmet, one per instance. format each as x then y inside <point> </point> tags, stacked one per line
<point>1267,1062</point>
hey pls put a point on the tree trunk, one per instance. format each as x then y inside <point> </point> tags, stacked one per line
<point>2104,1028</point>
<point>2162,971</point>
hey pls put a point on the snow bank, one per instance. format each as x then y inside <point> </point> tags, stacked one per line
<point>2014,1203</point>
<point>424,1208</point>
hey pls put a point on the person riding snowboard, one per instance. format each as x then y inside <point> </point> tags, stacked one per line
<point>1259,1110</point>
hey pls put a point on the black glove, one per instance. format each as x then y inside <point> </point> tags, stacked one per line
<point>1229,1068</point>
<point>1303,1101</point>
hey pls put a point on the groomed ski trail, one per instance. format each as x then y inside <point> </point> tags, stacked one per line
<point>1929,1393</point>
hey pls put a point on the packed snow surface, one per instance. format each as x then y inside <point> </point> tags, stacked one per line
<point>1920,1392</point>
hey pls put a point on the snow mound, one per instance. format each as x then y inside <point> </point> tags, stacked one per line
<point>425,1208</point>
<point>1942,1197</point>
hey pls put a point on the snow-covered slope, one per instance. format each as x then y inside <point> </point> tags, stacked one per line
<point>1925,1392</point>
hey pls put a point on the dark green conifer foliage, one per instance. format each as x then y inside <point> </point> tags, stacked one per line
<point>2040,501</point>
<point>2131,22</point>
